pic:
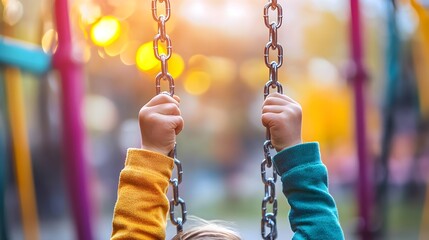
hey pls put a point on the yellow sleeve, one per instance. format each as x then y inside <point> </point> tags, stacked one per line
<point>142,205</point>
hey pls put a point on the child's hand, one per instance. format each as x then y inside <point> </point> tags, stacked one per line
<point>160,121</point>
<point>282,116</point>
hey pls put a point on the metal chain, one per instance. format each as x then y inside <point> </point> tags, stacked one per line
<point>269,218</point>
<point>163,37</point>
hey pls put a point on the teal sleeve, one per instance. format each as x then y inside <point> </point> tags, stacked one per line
<point>313,213</point>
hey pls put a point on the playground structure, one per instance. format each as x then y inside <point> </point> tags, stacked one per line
<point>71,74</point>
<point>33,59</point>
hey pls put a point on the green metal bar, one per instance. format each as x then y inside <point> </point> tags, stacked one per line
<point>23,55</point>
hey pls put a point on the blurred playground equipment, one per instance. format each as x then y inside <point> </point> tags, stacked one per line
<point>394,68</point>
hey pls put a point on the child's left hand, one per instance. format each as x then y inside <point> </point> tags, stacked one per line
<point>160,121</point>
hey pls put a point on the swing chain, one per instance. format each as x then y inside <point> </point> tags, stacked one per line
<point>269,218</point>
<point>163,37</point>
<point>177,200</point>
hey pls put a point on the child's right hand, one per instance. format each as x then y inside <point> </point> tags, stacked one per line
<point>282,116</point>
<point>160,121</point>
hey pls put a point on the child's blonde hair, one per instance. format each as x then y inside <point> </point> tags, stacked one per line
<point>208,230</point>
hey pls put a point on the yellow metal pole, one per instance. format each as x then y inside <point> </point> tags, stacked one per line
<point>421,55</point>
<point>21,153</point>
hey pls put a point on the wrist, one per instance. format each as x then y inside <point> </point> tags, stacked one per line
<point>155,149</point>
<point>288,145</point>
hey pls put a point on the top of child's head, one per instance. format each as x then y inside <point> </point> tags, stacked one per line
<point>208,230</point>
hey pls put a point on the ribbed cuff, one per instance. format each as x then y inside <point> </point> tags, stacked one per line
<point>298,155</point>
<point>144,160</point>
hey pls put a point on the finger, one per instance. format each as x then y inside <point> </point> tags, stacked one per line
<point>267,119</point>
<point>274,100</point>
<point>278,99</point>
<point>166,109</point>
<point>177,98</point>
<point>174,122</point>
<point>273,109</point>
<point>160,99</point>
<point>179,124</point>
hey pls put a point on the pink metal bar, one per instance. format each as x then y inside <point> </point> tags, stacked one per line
<point>359,78</point>
<point>71,73</point>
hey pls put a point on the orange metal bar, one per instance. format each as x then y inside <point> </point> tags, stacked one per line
<point>21,153</point>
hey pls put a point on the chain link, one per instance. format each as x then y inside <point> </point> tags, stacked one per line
<point>269,218</point>
<point>177,200</point>
<point>163,37</point>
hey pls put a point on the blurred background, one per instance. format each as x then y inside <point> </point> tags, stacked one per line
<point>219,71</point>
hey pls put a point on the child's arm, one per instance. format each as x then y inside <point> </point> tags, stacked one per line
<point>142,206</point>
<point>313,212</point>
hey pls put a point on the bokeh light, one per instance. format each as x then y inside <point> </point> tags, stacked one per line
<point>212,64</point>
<point>100,113</point>
<point>176,65</point>
<point>50,41</point>
<point>128,56</point>
<point>120,44</point>
<point>105,31</point>
<point>124,9</point>
<point>145,57</point>
<point>198,61</point>
<point>322,70</point>
<point>13,12</point>
<point>89,12</point>
<point>254,73</point>
<point>197,82</point>
<point>86,55</point>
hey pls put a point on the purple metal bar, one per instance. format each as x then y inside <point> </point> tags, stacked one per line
<point>359,77</point>
<point>71,74</point>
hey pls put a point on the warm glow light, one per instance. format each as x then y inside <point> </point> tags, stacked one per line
<point>89,12</point>
<point>229,69</point>
<point>197,83</point>
<point>120,44</point>
<point>50,41</point>
<point>198,61</point>
<point>86,56</point>
<point>12,12</point>
<point>105,31</point>
<point>128,56</point>
<point>101,53</point>
<point>124,9</point>
<point>254,73</point>
<point>176,65</point>
<point>147,62</point>
<point>145,57</point>
<point>100,114</point>
<point>212,64</point>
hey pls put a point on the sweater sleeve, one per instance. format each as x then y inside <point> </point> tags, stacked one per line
<point>141,207</point>
<point>313,213</point>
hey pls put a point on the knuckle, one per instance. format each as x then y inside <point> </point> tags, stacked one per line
<point>173,108</point>
<point>264,109</point>
<point>142,112</point>
<point>164,97</point>
<point>265,117</point>
<point>297,110</point>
